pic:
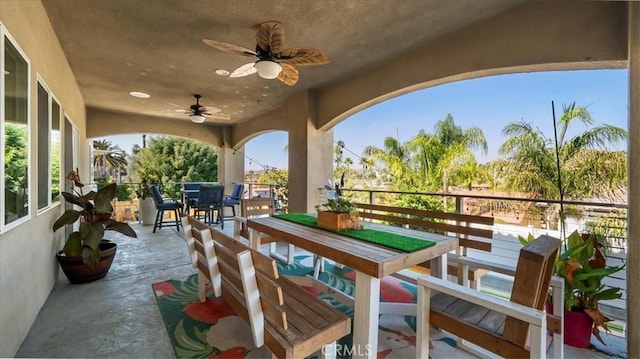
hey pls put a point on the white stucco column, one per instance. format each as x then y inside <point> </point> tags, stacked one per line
<point>230,167</point>
<point>310,156</point>
<point>633,232</point>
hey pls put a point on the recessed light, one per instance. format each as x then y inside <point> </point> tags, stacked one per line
<point>139,94</point>
<point>222,72</point>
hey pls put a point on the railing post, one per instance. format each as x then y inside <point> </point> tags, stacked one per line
<point>459,204</point>
<point>372,197</point>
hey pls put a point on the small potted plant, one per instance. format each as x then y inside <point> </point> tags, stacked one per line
<point>583,267</point>
<point>86,256</point>
<point>338,212</point>
<point>146,206</point>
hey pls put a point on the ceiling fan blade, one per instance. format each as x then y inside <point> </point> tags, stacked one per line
<point>227,47</point>
<point>210,109</point>
<point>304,56</point>
<point>270,35</point>
<point>289,75</point>
<point>244,70</point>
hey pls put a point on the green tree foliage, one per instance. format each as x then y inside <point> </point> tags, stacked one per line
<point>15,157</point>
<point>280,179</point>
<point>15,175</point>
<point>587,168</point>
<point>430,162</point>
<point>169,161</point>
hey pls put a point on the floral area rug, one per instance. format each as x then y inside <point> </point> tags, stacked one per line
<point>213,330</point>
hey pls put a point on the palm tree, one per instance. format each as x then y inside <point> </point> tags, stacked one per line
<point>337,150</point>
<point>106,156</point>
<point>348,162</point>
<point>588,169</point>
<point>447,153</point>
<point>395,157</point>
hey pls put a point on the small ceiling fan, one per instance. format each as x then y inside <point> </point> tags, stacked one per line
<point>198,113</point>
<point>273,60</point>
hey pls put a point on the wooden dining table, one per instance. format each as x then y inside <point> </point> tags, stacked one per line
<point>371,262</point>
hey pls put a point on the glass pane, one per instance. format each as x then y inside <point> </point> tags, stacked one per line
<point>16,74</point>
<point>56,146</point>
<point>43,147</point>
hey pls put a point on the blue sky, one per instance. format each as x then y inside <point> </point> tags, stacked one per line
<point>488,103</point>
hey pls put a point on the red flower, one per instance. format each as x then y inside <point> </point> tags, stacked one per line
<point>210,311</point>
<point>164,288</point>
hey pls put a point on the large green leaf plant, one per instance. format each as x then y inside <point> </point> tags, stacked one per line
<point>583,267</point>
<point>94,216</point>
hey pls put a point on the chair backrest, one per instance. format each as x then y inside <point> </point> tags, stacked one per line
<point>255,207</point>
<point>238,189</point>
<point>531,283</point>
<point>157,196</point>
<point>192,186</point>
<point>247,281</point>
<point>210,196</point>
<point>258,206</point>
<point>464,226</point>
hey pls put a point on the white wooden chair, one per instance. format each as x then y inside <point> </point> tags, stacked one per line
<point>260,207</point>
<point>515,328</point>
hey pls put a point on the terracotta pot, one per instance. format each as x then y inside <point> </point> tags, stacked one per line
<point>77,272</point>
<point>577,329</point>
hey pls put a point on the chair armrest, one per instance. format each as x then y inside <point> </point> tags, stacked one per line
<point>240,219</point>
<point>491,266</point>
<point>519,311</point>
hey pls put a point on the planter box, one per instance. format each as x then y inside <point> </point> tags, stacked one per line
<point>338,221</point>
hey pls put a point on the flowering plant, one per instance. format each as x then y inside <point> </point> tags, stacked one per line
<point>335,201</point>
<point>94,216</point>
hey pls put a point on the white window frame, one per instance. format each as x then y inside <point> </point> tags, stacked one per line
<point>4,34</point>
<point>50,98</point>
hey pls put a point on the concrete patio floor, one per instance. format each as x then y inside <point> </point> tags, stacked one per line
<point>117,316</point>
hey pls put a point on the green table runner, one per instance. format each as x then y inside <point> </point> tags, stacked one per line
<point>391,240</point>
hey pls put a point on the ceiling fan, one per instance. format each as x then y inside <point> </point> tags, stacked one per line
<point>274,61</point>
<point>198,113</point>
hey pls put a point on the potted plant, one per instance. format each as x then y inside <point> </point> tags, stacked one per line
<point>583,267</point>
<point>338,212</point>
<point>146,206</point>
<point>86,256</point>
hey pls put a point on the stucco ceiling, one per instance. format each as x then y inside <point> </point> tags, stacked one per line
<point>155,46</point>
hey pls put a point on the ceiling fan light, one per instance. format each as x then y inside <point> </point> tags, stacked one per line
<point>197,118</point>
<point>268,69</point>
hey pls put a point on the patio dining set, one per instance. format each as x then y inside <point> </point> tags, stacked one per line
<point>205,200</point>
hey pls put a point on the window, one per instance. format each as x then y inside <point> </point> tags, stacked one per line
<point>56,146</point>
<point>14,127</point>
<point>43,147</point>
<point>48,148</point>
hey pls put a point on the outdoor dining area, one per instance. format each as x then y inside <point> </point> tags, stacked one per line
<point>382,283</point>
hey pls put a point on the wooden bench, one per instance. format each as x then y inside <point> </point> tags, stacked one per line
<point>463,226</point>
<point>285,317</point>
<point>512,329</point>
<point>259,207</point>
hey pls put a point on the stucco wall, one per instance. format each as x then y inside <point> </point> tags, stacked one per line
<point>537,36</point>
<point>28,268</point>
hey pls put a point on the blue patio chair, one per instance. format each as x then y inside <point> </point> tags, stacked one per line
<point>233,200</point>
<point>165,205</point>
<point>210,201</point>
<point>189,196</point>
